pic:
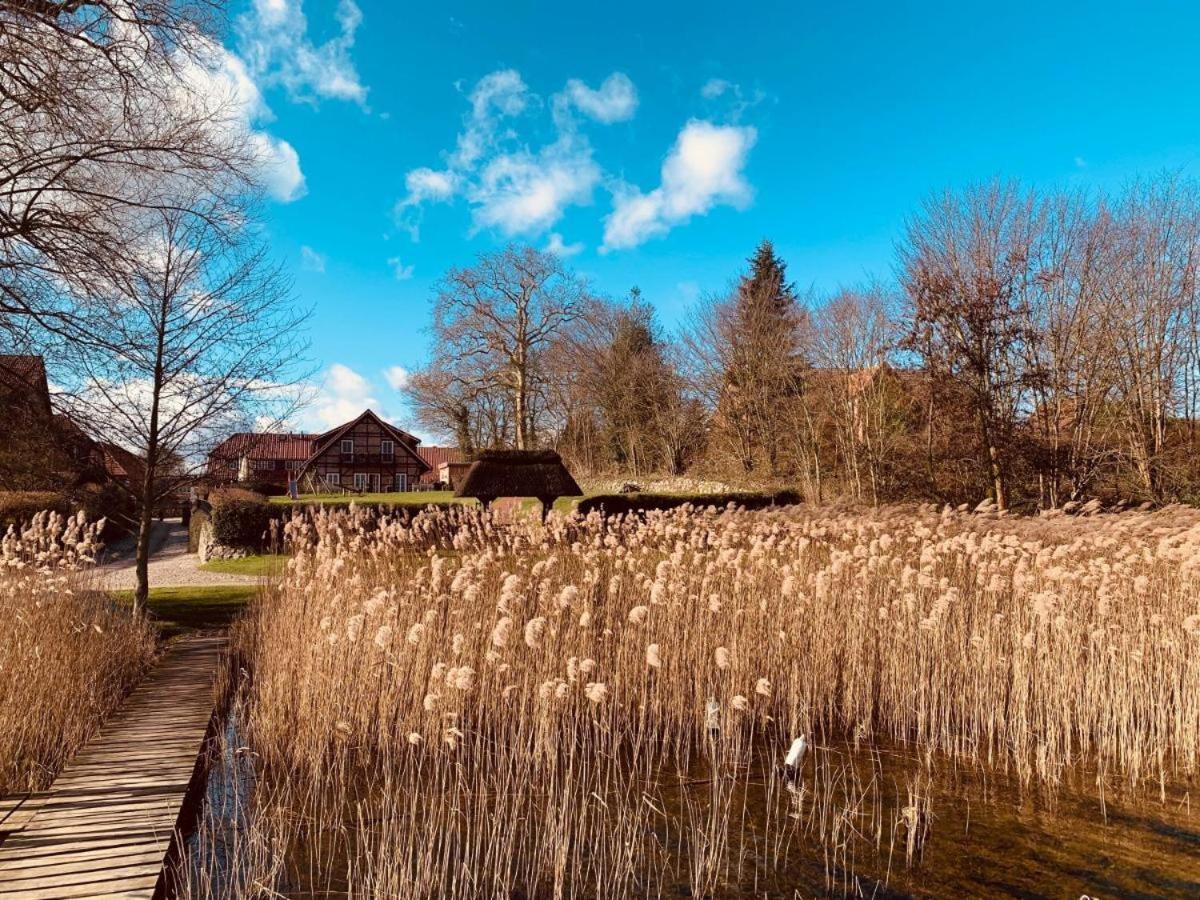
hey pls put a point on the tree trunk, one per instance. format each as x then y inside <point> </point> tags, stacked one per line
<point>996,470</point>
<point>521,408</point>
<point>145,527</point>
<point>146,523</point>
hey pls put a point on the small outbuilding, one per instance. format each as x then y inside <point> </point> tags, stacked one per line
<point>518,473</point>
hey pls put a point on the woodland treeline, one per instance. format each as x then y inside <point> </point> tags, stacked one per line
<point>1034,347</point>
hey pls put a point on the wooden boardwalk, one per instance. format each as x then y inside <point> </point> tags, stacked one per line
<point>104,826</point>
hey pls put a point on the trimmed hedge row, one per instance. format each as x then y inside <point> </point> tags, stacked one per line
<point>239,521</point>
<point>618,504</point>
<point>18,507</point>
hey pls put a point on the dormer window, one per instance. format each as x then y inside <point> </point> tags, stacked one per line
<point>388,449</point>
<point>347,446</point>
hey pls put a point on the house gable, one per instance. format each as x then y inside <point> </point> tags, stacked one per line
<point>368,432</point>
<point>357,455</point>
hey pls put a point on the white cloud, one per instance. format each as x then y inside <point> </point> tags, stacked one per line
<point>1080,162</point>
<point>501,94</point>
<point>273,39</point>
<point>522,193</point>
<point>616,99</point>
<point>427,184</point>
<point>510,186</point>
<point>343,395</point>
<point>311,260</point>
<point>704,169</point>
<point>559,247</point>
<point>729,98</point>
<point>401,271</point>
<point>396,377</point>
<point>220,85</point>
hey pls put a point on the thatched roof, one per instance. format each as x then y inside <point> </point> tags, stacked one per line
<point>517,473</point>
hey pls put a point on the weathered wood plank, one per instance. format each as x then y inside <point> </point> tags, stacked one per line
<point>105,825</point>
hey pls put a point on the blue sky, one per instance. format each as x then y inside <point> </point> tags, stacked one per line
<point>657,143</point>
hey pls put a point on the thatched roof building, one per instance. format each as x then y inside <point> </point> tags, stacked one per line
<point>518,473</point>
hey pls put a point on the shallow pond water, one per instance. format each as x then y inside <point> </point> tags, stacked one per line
<point>850,818</point>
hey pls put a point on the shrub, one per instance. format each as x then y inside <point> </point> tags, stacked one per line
<point>240,521</point>
<point>266,488</point>
<point>617,504</point>
<point>231,492</point>
<point>18,507</point>
<point>111,502</point>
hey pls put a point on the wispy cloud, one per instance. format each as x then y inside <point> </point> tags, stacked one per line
<point>399,269</point>
<point>615,100</point>
<point>559,247</point>
<point>311,260</point>
<point>727,100</point>
<point>343,394</point>
<point>512,188</point>
<point>396,377</point>
<point>705,168</point>
<point>222,87</point>
<point>273,39</point>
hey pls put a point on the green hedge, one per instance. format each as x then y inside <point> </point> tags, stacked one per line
<point>618,504</point>
<point>241,522</point>
<point>18,507</point>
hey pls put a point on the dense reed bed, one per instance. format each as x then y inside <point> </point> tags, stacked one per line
<point>68,654</point>
<point>450,707</point>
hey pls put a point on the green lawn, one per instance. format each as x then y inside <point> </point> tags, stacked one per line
<point>177,610</point>
<point>402,498</point>
<point>249,565</point>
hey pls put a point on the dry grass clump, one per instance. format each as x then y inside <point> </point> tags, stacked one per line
<point>441,706</point>
<point>67,654</point>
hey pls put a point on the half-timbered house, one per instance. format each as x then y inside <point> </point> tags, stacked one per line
<point>366,454</point>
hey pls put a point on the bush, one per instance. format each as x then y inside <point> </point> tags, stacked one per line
<point>224,494</point>
<point>110,502</point>
<point>266,488</point>
<point>240,521</point>
<point>617,504</point>
<point>18,507</point>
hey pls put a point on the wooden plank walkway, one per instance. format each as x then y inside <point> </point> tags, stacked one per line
<point>104,826</point>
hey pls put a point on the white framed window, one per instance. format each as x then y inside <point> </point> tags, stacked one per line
<point>375,482</point>
<point>360,481</point>
<point>347,446</point>
<point>388,449</point>
<point>400,482</point>
<point>334,478</point>
<point>262,465</point>
<point>291,464</point>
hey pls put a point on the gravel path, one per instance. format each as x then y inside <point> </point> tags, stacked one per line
<point>170,564</point>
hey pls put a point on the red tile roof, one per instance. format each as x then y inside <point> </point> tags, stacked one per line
<point>435,456</point>
<point>122,464</point>
<point>266,446</point>
<point>300,447</point>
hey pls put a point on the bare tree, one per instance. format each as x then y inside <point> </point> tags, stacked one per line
<point>966,270</point>
<point>459,400</point>
<point>1069,370</point>
<point>102,120</point>
<point>1151,309</point>
<point>501,315</point>
<point>854,335</point>
<point>209,341</point>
